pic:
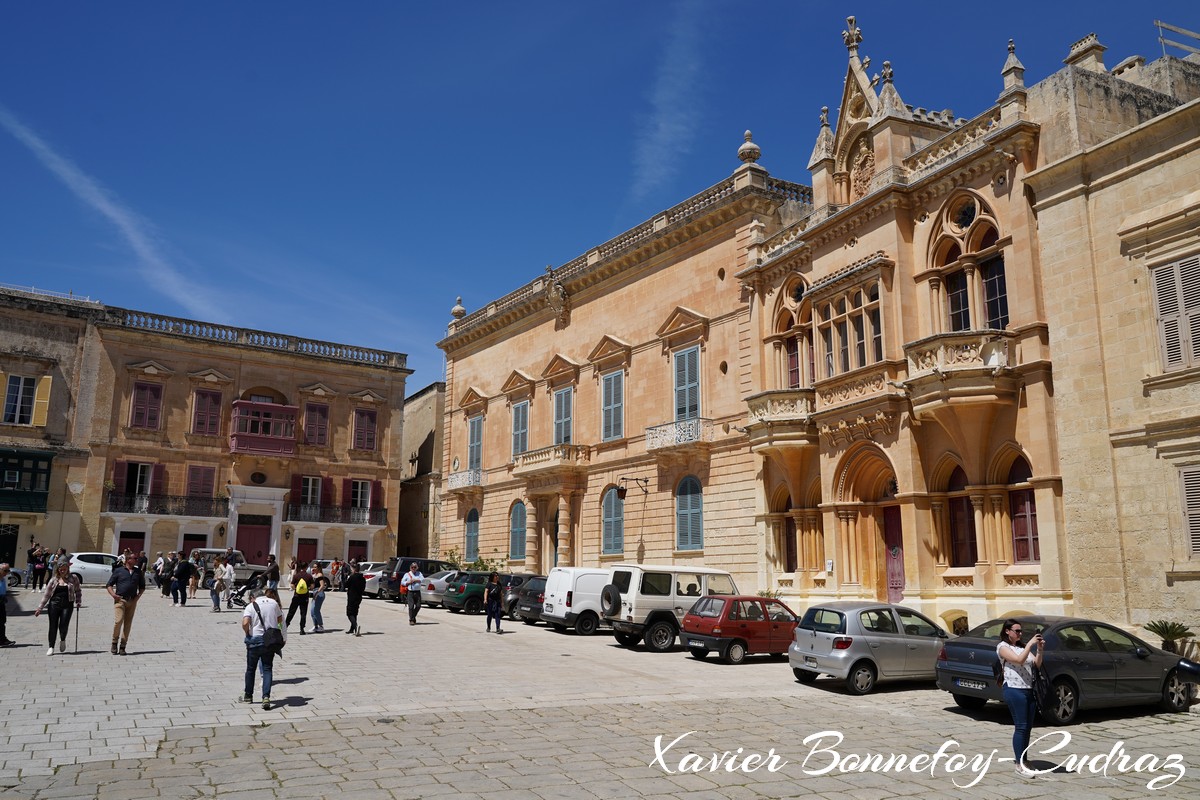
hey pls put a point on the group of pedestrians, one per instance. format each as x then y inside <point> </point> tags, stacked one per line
<point>42,563</point>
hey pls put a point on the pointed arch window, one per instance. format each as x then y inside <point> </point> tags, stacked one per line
<point>689,515</point>
<point>613,513</point>
<point>1022,510</point>
<point>962,522</point>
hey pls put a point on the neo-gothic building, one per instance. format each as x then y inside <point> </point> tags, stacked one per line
<point>128,429</point>
<point>962,370</point>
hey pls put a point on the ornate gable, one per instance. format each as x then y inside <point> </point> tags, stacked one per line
<point>518,385</point>
<point>473,402</point>
<point>367,396</point>
<point>610,352</point>
<point>560,370</point>
<point>150,368</point>
<point>683,325</point>
<point>859,101</point>
<point>210,376</point>
<point>318,389</point>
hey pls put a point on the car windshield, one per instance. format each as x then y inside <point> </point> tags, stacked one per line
<point>708,607</point>
<point>721,584</point>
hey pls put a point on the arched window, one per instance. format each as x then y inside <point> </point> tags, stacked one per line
<point>613,513</point>
<point>1023,511</point>
<point>516,531</point>
<point>962,522</point>
<point>472,537</point>
<point>689,515</point>
<point>969,229</point>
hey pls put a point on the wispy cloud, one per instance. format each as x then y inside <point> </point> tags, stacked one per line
<point>668,131</point>
<point>154,267</point>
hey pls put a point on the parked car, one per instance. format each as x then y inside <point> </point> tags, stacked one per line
<point>649,601</point>
<point>466,592</point>
<point>863,643</point>
<point>512,591</point>
<point>1089,664</point>
<point>372,571</point>
<point>16,578</point>
<point>242,571</point>
<point>93,567</point>
<point>738,625</point>
<point>435,586</point>
<point>530,599</point>
<point>573,598</point>
<point>390,587</point>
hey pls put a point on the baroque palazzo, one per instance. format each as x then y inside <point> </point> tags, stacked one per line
<point>960,371</point>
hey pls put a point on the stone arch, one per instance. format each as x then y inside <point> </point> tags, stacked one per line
<point>781,499</point>
<point>864,474</point>
<point>983,234</point>
<point>943,468</point>
<point>1002,462</point>
<point>945,251</point>
<point>784,321</point>
<point>812,493</point>
<point>951,619</point>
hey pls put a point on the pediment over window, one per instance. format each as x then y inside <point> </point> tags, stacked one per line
<point>367,396</point>
<point>561,370</point>
<point>683,325</point>
<point>473,401</point>
<point>150,368</point>
<point>210,376</point>
<point>318,389</point>
<point>610,352</point>
<point>518,385</point>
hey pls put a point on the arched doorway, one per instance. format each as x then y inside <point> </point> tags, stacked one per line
<point>872,529</point>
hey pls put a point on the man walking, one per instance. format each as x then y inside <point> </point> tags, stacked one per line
<point>4,640</point>
<point>125,587</point>
<point>272,574</point>
<point>412,581</point>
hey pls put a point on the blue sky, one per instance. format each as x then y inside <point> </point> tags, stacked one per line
<point>343,171</point>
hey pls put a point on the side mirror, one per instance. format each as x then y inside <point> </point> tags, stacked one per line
<point>1141,652</point>
<point>941,634</point>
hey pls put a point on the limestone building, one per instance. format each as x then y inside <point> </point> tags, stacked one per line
<point>157,433</point>
<point>422,471</point>
<point>959,371</point>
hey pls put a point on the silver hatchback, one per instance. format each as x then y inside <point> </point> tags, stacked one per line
<point>863,643</point>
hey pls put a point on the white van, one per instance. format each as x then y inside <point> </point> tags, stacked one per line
<point>572,598</point>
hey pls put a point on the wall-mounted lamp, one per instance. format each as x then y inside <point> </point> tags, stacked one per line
<point>221,531</point>
<point>623,489</point>
<point>287,533</point>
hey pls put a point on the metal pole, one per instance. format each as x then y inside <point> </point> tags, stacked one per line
<point>78,619</point>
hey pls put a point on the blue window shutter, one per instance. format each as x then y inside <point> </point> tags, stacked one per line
<point>613,399</point>
<point>562,416</point>
<point>516,535</point>
<point>689,515</point>
<point>687,384</point>
<point>474,442</point>
<point>472,535</point>
<point>520,441</point>
<point>614,522</point>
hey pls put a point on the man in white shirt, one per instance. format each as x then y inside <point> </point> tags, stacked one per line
<point>412,581</point>
<point>261,613</point>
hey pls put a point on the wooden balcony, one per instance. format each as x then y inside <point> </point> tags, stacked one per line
<point>781,418</point>
<point>265,429</point>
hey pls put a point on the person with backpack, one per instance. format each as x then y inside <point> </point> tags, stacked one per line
<point>261,613</point>
<point>301,585</point>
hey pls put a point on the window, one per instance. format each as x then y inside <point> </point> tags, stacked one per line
<point>562,416</point>
<point>995,293</point>
<point>364,429</point>
<point>206,413</point>
<point>1023,512</point>
<point>962,523</point>
<point>18,402</point>
<point>147,405</point>
<point>316,424</point>
<point>850,328</point>
<point>613,513</point>
<point>516,531</point>
<point>24,471</point>
<point>792,350</point>
<point>520,427</point>
<point>474,443</point>
<point>612,388</point>
<point>687,384</point>
<point>689,515</point>
<point>956,298</point>
<point>201,481</point>
<point>1191,507</point>
<point>310,490</point>
<point>1177,309</point>
<point>472,536</point>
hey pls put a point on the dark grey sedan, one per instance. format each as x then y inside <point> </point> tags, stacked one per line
<point>1088,664</point>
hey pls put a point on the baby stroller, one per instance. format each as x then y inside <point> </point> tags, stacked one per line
<point>239,596</point>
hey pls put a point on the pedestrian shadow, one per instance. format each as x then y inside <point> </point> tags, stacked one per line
<point>294,702</point>
<point>145,652</point>
<point>289,680</point>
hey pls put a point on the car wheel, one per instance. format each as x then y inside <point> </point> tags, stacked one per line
<point>512,611</point>
<point>698,653</point>
<point>587,624</point>
<point>1176,694</point>
<point>473,606</point>
<point>610,600</point>
<point>1063,705</point>
<point>660,637</point>
<point>626,639</point>
<point>14,581</point>
<point>529,621</point>
<point>861,679</point>
<point>804,676</point>
<point>453,610</point>
<point>969,701</point>
<point>735,653</point>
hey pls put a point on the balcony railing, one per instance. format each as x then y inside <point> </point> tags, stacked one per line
<point>23,500</point>
<point>781,405</point>
<point>970,350</point>
<point>166,505</point>
<point>683,433</point>
<point>467,480</point>
<point>549,459</point>
<point>263,429</point>
<point>340,515</point>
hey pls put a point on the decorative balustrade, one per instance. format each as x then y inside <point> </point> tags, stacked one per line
<point>852,387</point>
<point>964,139</point>
<point>467,480</point>
<point>781,405</point>
<point>339,515</point>
<point>683,433</point>
<point>261,340</point>
<point>791,191</point>
<point>166,505</point>
<point>963,350</point>
<point>555,456</point>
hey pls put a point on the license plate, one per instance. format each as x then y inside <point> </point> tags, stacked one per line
<point>694,643</point>
<point>549,608</point>
<point>809,661</point>
<point>969,684</point>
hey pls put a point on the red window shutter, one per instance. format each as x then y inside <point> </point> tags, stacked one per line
<point>120,470</point>
<point>153,406</point>
<point>201,481</point>
<point>346,492</point>
<point>327,492</point>
<point>158,479</point>
<point>376,494</point>
<point>297,488</point>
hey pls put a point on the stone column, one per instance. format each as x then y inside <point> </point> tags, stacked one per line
<point>936,308</point>
<point>982,553</point>
<point>565,526</point>
<point>937,520</point>
<point>974,293</point>
<point>533,535</point>
<point>1001,533</point>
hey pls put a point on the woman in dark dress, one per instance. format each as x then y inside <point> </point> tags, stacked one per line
<point>356,586</point>
<point>62,596</point>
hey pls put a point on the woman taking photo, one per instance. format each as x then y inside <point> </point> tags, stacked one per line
<point>61,592</point>
<point>1018,661</point>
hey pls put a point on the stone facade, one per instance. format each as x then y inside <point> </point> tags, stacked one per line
<point>169,434</point>
<point>934,377</point>
<point>421,482</point>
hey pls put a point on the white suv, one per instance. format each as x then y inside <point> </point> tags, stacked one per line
<point>649,601</point>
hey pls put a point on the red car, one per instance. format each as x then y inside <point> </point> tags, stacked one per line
<point>737,625</point>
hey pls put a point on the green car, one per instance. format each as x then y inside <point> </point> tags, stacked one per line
<point>465,593</point>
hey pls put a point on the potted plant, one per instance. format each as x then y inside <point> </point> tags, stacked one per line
<point>1170,633</point>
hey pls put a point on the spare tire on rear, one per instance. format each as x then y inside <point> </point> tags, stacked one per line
<point>610,600</point>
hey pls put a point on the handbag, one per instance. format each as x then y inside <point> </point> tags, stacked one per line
<point>272,637</point>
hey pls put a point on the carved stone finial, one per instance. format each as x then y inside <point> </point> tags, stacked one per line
<point>887,72</point>
<point>557,298</point>
<point>852,36</point>
<point>458,312</point>
<point>1012,47</point>
<point>749,152</point>
<point>824,116</point>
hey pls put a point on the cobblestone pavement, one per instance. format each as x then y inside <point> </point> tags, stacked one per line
<point>444,709</point>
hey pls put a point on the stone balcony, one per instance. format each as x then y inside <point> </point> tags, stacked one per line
<point>468,481</point>
<point>960,368</point>
<point>681,437</point>
<point>781,418</point>
<point>559,459</point>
